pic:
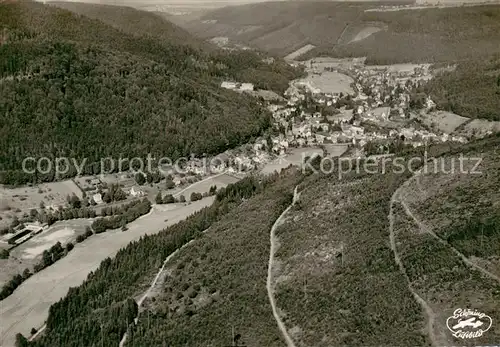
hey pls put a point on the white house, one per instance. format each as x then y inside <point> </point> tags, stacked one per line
<point>97,198</point>
<point>429,103</point>
<point>229,85</point>
<point>135,192</point>
<point>246,86</point>
<point>320,138</point>
<point>284,143</point>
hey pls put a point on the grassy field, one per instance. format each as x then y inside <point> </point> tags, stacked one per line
<point>295,157</point>
<point>28,306</point>
<point>327,81</point>
<point>16,202</point>
<point>204,186</point>
<point>446,122</point>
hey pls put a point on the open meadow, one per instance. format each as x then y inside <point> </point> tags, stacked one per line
<point>295,157</point>
<point>446,122</point>
<point>204,186</point>
<point>29,253</point>
<point>329,82</point>
<point>28,306</point>
<point>17,202</point>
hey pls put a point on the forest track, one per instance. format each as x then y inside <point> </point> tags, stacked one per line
<point>269,282</point>
<point>431,316</point>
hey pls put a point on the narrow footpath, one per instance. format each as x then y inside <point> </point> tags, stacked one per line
<point>270,282</point>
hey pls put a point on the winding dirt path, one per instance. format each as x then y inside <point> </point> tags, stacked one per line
<point>429,231</point>
<point>399,196</point>
<point>269,283</point>
<point>151,287</point>
<point>431,316</point>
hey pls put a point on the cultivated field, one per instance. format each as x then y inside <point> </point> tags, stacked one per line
<point>19,201</point>
<point>446,122</point>
<point>295,157</point>
<point>28,306</point>
<point>29,253</point>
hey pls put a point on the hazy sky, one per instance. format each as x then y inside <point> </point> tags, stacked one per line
<point>172,4</point>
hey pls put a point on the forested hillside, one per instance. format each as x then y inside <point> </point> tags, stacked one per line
<point>472,90</point>
<point>354,253</point>
<point>335,264</point>
<point>99,312</point>
<point>135,22</point>
<point>425,35</point>
<point>74,86</point>
<point>467,36</point>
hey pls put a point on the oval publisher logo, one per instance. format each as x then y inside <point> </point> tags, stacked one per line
<point>468,324</point>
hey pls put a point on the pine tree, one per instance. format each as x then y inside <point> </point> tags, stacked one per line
<point>159,199</point>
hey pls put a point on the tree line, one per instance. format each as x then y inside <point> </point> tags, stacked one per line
<point>84,90</point>
<point>120,216</point>
<point>82,317</point>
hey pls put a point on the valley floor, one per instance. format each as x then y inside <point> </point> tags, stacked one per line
<point>28,306</point>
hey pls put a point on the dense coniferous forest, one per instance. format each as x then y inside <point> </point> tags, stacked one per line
<point>471,90</point>
<point>99,311</point>
<point>427,35</point>
<point>76,87</point>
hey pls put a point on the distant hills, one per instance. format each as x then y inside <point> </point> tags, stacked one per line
<point>132,21</point>
<point>467,36</point>
<point>425,35</point>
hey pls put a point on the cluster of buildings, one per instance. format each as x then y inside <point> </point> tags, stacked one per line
<point>381,87</point>
<point>378,111</point>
